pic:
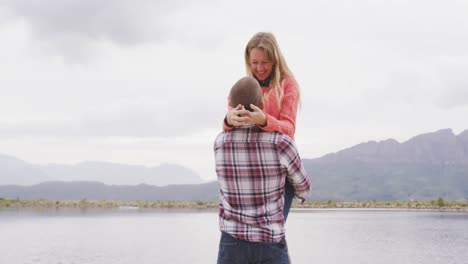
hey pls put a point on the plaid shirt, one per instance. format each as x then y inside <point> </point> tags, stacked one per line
<point>252,166</point>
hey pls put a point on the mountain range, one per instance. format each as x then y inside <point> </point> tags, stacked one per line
<point>425,167</point>
<point>14,171</point>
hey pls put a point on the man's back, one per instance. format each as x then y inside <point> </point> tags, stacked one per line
<point>251,166</point>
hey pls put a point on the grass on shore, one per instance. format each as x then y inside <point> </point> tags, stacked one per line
<point>434,204</point>
<point>105,204</point>
<point>84,203</point>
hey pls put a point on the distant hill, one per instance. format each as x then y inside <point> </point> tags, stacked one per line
<point>99,191</point>
<point>121,174</point>
<point>14,171</point>
<point>425,167</point>
<point>442,146</point>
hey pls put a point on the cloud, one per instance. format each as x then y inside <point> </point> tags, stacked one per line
<point>127,121</point>
<point>453,79</point>
<point>154,121</point>
<point>74,29</point>
<point>438,81</point>
<point>123,22</point>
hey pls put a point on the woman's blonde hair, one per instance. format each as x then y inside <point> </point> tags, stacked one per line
<point>267,42</point>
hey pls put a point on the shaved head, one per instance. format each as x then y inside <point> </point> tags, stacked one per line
<point>246,91</point>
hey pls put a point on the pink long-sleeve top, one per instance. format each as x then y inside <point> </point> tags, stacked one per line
<point>282,119</point>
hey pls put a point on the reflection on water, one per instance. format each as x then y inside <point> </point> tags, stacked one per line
<point>191,236</point>
<point>382,236</point>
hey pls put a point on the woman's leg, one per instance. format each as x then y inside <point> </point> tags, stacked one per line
<point>288,198</point>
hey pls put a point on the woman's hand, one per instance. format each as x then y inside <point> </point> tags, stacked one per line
<point>257,117</point>
<point>237,116</point>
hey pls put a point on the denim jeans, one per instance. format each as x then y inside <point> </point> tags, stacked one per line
<point>288,198</point>
<point>236,251</point>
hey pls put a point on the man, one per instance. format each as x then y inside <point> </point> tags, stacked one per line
<point>252,166</point>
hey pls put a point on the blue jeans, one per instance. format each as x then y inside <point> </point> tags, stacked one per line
<point>236,251</point>
<point>288,198</point>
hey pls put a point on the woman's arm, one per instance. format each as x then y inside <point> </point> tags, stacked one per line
<point>235,116</point>
<point>286,123</point>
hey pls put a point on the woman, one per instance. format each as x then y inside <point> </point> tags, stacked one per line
<point>264,62</point>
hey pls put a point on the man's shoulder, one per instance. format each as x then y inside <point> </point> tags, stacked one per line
<point>220,138</point>
<point>285,141</point>
<point>276,137</point>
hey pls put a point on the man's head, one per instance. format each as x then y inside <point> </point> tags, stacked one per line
<point>246,91</point>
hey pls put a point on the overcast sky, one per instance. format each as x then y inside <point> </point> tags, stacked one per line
<point>145,82</point>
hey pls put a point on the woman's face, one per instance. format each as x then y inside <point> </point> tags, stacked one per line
<point>261,67</point>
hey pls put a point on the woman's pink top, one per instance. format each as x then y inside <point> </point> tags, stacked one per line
<point>281,120</point>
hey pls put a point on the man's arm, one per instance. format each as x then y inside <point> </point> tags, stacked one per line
<point>291,160</point>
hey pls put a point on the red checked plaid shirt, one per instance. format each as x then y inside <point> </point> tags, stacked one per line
<point>252,166</point>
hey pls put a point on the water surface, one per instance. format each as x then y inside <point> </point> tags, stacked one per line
<point>191,236</point>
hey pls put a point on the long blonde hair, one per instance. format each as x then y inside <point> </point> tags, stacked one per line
<point>267,42</point>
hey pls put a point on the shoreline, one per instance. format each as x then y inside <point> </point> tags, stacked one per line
<point>439,204</point>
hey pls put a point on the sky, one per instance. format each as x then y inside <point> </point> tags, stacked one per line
<point>146,82</point>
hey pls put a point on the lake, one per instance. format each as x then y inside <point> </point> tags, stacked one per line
<point>319,236</point>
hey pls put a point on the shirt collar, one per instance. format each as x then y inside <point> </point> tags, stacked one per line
<point>247,126</point>
<point>264,83</point>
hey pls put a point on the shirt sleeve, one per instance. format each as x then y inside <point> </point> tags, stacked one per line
<point>290,159</point>
<point>286,123</point>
